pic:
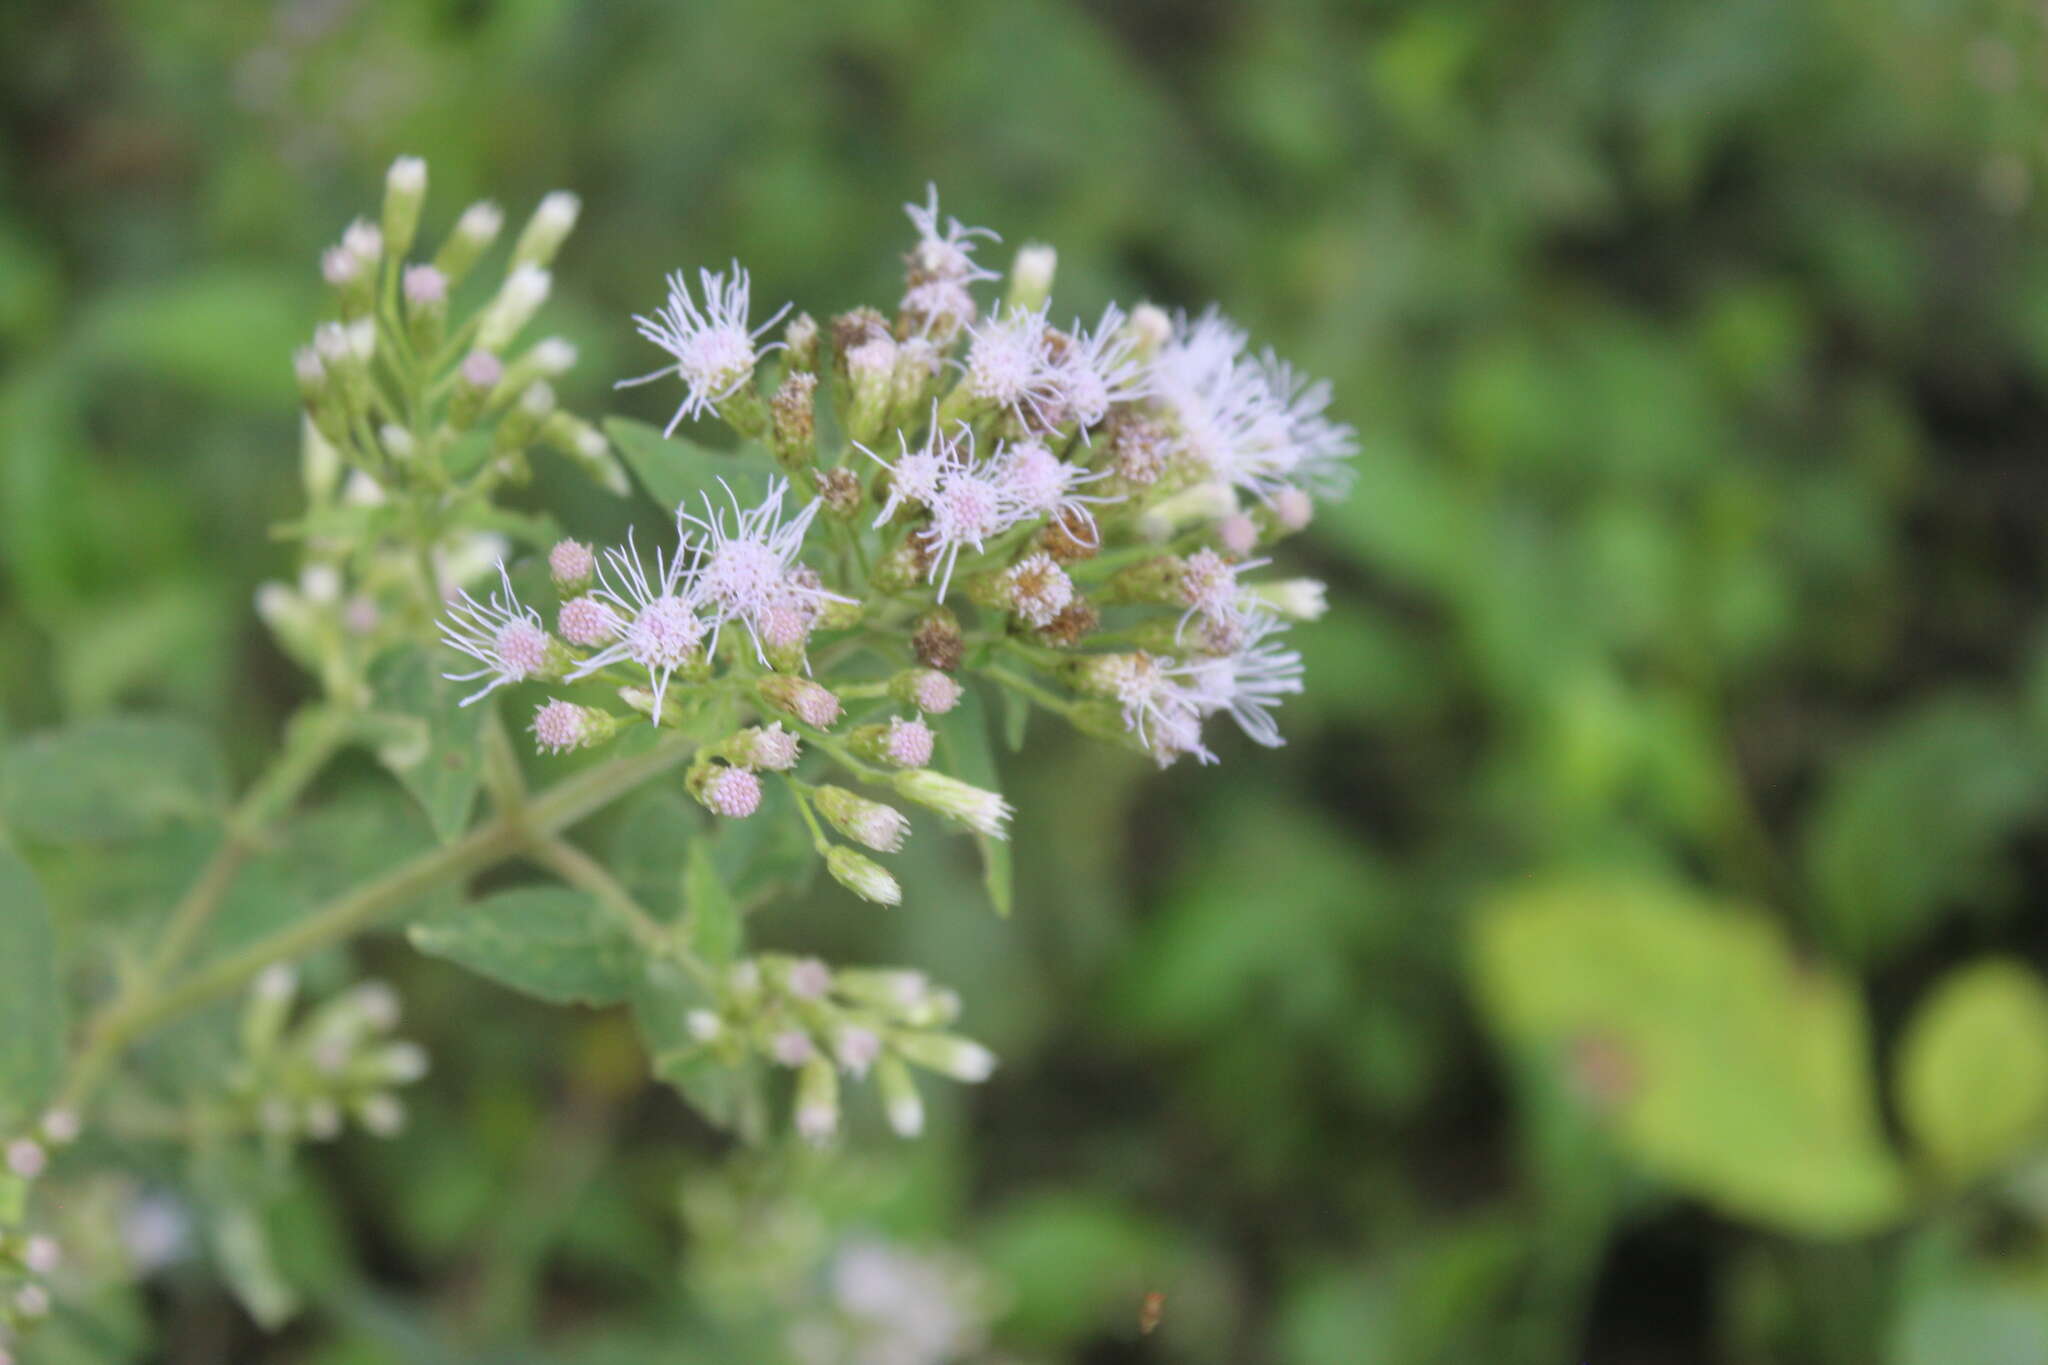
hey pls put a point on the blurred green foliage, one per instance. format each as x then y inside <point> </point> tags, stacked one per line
<point>1576,986</point>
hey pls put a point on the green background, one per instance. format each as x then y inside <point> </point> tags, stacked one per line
<point>1696,352</point>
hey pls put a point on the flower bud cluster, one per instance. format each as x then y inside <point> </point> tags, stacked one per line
<point>833,1026</point>
<point>307,1080</point>
<point>30,1258</point>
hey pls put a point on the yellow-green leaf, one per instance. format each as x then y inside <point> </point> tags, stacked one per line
<point>1725,1065</point>
<point>1973,1067</point>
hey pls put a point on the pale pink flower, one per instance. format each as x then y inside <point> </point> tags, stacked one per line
<point>505,637</point>
<point>714,351</point>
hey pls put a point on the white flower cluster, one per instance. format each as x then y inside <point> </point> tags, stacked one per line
<point>853,1022</point>
<point>339,1063</point>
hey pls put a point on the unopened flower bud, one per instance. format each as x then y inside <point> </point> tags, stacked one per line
<point>791,1047</point>
<point>947,1054</point>
<point>862,875</point>
<point>839,490</point>
<point>405,190</point>
<point>522,424</point>
<point>474,232</point>
<point>900,1099</point>
<point>1031,277</point>
<point>871,370</point>
<point>936,640</point>
<point>382,1114</point>
<point>817,1102</point>
<point>872,823</point>
<point>1292,509</point>
<point>41,1255</point>
<point>857,1049</point>
<point>929,690</point>
<point>1237,534</point>
<point>1152,327</point>
<point>1210,500</point>
<point>983,811</point>
<point>1297,599</point>
<point>703,1025</point>
<point>364,242</point>
<point>426,305</point>
<point>61,1127</point>
<point>801,340</point>
<point>772,748</point>
<point>559,726</point>
<point>32,1302</point>
<point>890,989</point>
<point>734,793</point>
<point>900,743</point>
<point>376,1003</point>
<point>311,374</point>
<point>26,1158</point>
<point>362,341</point>
<point>792,424</point>
<point>322,1120</point>
<point>571,565</point>
<point>586,622</point>
<point>507,314</point>
<point>401,1063</point>
<point>547,229</point>
<point>801,698</point>
<point>808,978</point>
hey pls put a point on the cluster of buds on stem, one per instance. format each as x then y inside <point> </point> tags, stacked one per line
<point>831,1027</point>
<point>307,1081</point>
<point>29,1257</point>
<point>415,415</point>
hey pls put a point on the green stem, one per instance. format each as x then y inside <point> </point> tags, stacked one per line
<point>148,1005</point>
<point>311,738</point>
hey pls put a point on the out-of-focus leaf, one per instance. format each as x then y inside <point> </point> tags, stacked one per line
<point>675,470</point>
<point>224,332</point>
<point>1913,823</point>
<point>547,941</point>
<point>728,1096</point>
<point>713,922</point>
<point>1973,1067</point>
<point>111,779</point>
<point>1989,1316</point>
<point>430,743</point>
<point>1724,1065</point>
<point>31,997</point>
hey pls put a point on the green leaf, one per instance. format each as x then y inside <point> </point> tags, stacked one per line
<point>730,1096</point>
<point>1917,821</point>
<point>31,997</point>
<point>714,920</point>
<point>429,741</point>
<point>112,779</point>
<point>1973,1067</point>
<point>675,470</point>
<point>1723,1064</point>
<point>964,751</point>
<point>547,941</point>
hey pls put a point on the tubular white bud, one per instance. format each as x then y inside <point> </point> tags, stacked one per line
<point>949,1055</point>
<point>521,296</point>
<point>26,1158</point>
<point>474,232</point>
<point>1297,599</point>
<point>983,811</point>
<point>405,189</point>
<point>862,875</point>
<point>899,1097</point>
<point>1031,276</point>
<point>382,1115</point>
<point>817,1102</point>
<point>547,229</point>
